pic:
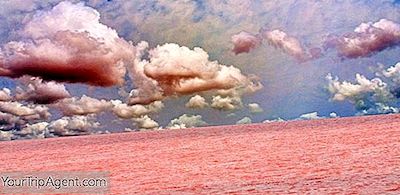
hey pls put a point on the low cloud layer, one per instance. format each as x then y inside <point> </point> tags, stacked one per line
<point>75,125</point>
<point>187,121</point>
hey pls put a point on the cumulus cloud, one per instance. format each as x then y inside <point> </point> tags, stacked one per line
<point>37,91</point>
<point>16,120</point>
<point>244,42</point>
<point>33,131</point>
<point>245,120</point>
<point>186,121</point>
<point>364,87</point>
<point>31,112</point>
<point>367,39</point>
<point>178,70</point>
<point>68,44</point>
<point>255,108</point>
<point>145,122</point>
<point>5,94</point>
<point>10,122</point>
<point>197,101</point>
<point>83,106</point>
<point>75,125</point>
<point>126,111</point>
<point>5,135</point>
<point>368,96</point>
<point>393,73</point>
<point>226,103</point>
<point>147,90</point>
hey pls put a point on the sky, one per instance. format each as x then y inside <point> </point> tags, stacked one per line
<point>85,67</point>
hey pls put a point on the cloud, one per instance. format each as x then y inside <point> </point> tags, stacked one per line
<point>333,115</point>
<point>255,108</point>
<point>145,122</point>
<point>310,116</point>
<point>274,120</point>
<point>368,96</point>
<point>40,92</point>
<point>33,131</point>
<point>244,42</point>
<point>187,121</point>
<point>5,94</point>
<point>9,122</point>
<point>290,45</point>
<point>5,135</point>
<point>177,70</point>
<point>29,112</point>
<point>393,73</point>
<point>83,106</point>
<point>126,111</point>
<point>16,119</point>
<point>196,102</point>
<point>245,120</point>
<point>147,90</point>
<point>367,39</point>
<point>75,125</point>
<point>227,103</point>
<point>68,44</point>
<point>364,87</point>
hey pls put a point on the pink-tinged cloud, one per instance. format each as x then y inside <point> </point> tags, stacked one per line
<point>244,42</point>
<point>83,106</point>
<point>288,44</point>
<point>177,70</point>
<point>366,40</point>
<point>68,44</point>
<point>41,92</point>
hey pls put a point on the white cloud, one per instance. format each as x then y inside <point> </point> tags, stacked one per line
<point>197,101</point>
<point>255,108</point>
<point>126,111</point>
<point>145,122</point>
<point>310,116</point>
<point>227,103</point>
<point>187,121</point>
<point>393,73</point>
<point>83,106</point>
<point>75,125</point>
<point>274,120</point>
<point>178,70</point>
<point>33,131</point>
<point>348,91</point>
<point>245,120</point>
<point>5,135</point>
<point>5,94</point>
